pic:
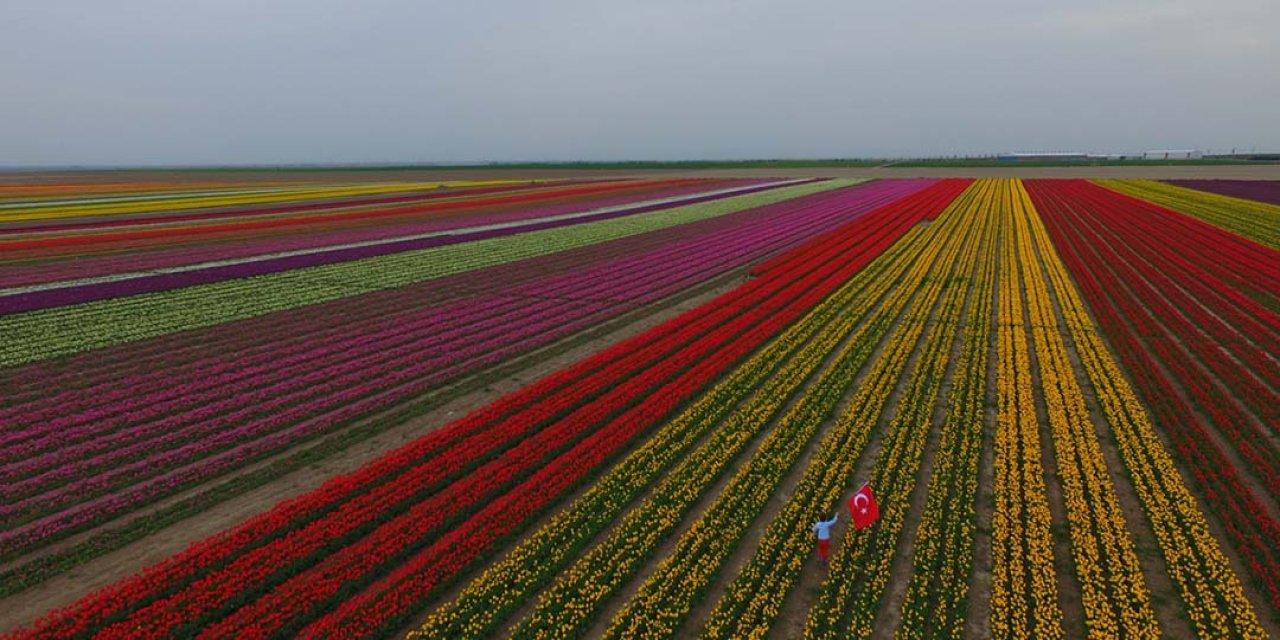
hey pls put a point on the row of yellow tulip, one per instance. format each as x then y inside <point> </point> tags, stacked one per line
<point>241,196</point>
<point>937,596</point>
<point>1113,593</point>
<point>851,595</point>
<point>577,595</point>
<point>1211,592</point>
<point>666,598</point>
<point>42,191</point>
<point>1258,221</point>
<point>1024,594</point>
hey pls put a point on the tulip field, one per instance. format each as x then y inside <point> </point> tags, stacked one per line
<point>614,407</point>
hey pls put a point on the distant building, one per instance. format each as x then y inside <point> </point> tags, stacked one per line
<point>1172,154</point>
<point>1051,155</point>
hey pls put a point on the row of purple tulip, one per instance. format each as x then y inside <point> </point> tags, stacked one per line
<point>161,443</point>
<point>1261,190</point>
<point>165,281</point>
<point>74,267</point>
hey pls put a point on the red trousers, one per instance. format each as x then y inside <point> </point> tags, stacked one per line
<point>824,548</point>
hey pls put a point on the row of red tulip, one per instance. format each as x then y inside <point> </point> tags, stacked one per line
<point>1133,248</point>
<point>1111,284</point>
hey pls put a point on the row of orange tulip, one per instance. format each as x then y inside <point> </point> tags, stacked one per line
<point>1212,596</point>
<point>1024,594</point>
<point>1113,592</point>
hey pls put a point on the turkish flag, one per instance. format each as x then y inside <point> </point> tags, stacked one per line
<point>863,507</point>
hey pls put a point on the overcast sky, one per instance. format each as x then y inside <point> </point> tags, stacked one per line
<point>147,82</point>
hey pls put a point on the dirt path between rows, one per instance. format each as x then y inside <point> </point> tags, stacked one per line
<point>1069,591</point>
<point>702,610</point>
<point>1165,599</point>
<point>977,622</point>
<point>1178,387</point>
<point>473,392</point>
<point>795,606</point>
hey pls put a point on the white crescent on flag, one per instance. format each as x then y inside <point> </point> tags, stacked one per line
<point>861,501</point>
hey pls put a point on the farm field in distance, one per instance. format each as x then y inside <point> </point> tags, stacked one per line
<point>567,403</point>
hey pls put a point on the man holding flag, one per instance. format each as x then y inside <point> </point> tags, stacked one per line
<point>865,511</point>
<point>823,529</point>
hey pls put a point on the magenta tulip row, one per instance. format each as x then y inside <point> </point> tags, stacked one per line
<point>162,442</point>
<point>117,392</point>
<point>162,354</point>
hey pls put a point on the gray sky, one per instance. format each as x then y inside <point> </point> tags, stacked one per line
<point>326,81</point>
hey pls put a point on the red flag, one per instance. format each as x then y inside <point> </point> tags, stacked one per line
<point>863,507</point>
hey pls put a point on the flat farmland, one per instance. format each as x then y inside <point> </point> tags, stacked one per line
<point>559,404</point>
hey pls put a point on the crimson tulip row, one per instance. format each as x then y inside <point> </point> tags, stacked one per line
<point>1205,322</point>
<point>1249,528</point>
<point>1135,251</point>
<point>1250,270</point>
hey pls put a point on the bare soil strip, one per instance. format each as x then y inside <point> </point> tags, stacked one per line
<point>701,612</point>
<point>1268,501</point>
<point>890,612</point>
<point>978,619</point>
<point>1069,592</point>
<point>1165,599</point>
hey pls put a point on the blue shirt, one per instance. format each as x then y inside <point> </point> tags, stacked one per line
<point>823,527</point>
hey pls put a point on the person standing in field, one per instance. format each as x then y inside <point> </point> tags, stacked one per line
<point>823,530</point>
